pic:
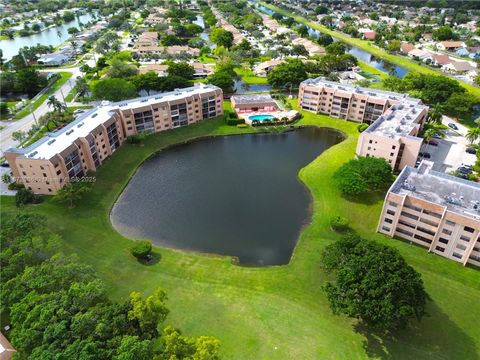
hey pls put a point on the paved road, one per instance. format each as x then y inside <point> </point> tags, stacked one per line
<point>26,123</point>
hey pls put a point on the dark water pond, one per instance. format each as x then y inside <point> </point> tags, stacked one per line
<point>236,195</point>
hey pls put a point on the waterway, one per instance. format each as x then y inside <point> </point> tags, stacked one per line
<point>52,36</point>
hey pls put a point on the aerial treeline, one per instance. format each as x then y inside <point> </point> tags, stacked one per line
<point>59,309</point>
<point>436,90</point>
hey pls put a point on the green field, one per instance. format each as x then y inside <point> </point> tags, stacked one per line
<point>277,312</point>
<point>35,105</point>
<point>369,47</point>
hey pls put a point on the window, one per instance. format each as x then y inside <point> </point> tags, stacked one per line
<point>451,223</point>
<point>59,172</point>
<point>390,212</point>
<point>406,224</point>
<point>387,220</point>
<point>370,141</point>
<point>457,255</point>
<point>431,213</point>
<point>439,248</point>
<point>446,232</point>
<point>391,154</point>
<point>465,238</point>
<point>426,231</point>
<point>394,147</point>
<point>391,203</point>
<point>425,221</point>
<point>404,232</point>
<point>386,228</point>
<point>461,247</point>
<point>421,238</point>
<point>443,240</point>
<point>413,207</point>
<point>469,229</point>
<point>409,215</point>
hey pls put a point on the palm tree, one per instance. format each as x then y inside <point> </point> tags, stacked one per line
<point>56,104</point>
<point>430,133</point>
<point>473,135</point>
<point>435,114</point>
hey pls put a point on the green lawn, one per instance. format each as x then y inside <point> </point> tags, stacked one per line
<point>63,79</point>
<point>277,312</point>
<point>369,47</point>
<point>249,77</point>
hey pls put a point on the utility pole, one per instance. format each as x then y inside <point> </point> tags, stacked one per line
<point>33,114</point>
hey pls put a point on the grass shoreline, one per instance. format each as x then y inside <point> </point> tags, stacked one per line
<point>277,312</point>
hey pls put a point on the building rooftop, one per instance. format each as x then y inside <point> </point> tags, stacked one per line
<point>55,142</point>
<point>458,195</point>
<point>252,99</point>
<point>399,120</point>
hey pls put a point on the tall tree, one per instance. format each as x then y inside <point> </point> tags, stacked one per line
<point>373,283</point>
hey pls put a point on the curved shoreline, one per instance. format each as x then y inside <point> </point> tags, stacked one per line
<point>233,259</point>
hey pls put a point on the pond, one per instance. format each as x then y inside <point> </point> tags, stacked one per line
<point>241,87</point>
<point>235,195</point>
<point>52,36</point>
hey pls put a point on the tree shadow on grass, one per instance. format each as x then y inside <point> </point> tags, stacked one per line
<point>435,337</point>
<point>152,260</point>
<point>367,199</point>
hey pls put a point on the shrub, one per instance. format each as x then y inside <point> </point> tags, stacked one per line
<point>232,119</point>
<point>136,139</point>
<point>339,223</point>
<point>242,126</point>
<point>362,127</point>
<point>15,186</point>
<point>25,196</point>
<point>142,249</point>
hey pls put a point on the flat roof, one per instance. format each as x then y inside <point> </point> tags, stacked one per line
<point>55,142</point>
<point>397,121</point>
<point>252,99</point>
<point>457,195</point>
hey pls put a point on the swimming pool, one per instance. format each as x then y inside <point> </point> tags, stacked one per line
<point>261,117</point>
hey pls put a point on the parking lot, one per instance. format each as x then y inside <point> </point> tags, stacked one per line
<point>450,152</point>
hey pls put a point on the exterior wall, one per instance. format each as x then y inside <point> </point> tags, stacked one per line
<point>443,232</point>
<point>47,176</point>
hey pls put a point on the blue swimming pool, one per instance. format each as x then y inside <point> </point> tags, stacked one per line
<point>261,117</point>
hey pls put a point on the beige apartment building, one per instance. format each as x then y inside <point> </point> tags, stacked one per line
<point>83,145</point>
<point>395,119</point>
<point>437,211</point>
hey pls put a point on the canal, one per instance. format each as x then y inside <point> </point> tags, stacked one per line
<point>360,54</point>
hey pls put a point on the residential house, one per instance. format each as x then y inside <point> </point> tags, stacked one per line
<point>450,45</point>
<point>263,68</point>
<point>406,47</point>
<point>53,59</point>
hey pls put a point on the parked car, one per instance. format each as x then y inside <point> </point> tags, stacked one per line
<point>452,126</point>
<point>464,170</point>
<point>433,142</point>
<point>5,164</point>
<point>417,163</point>
<point>78,111</point>
<point>471,150</point>
<point>425,155</point>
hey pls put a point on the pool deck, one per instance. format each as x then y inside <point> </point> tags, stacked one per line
<point>279,114</point>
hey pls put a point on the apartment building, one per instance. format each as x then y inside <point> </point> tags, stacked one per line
<point>434,210</point>
<point>83,145</point>
<point>395,119</point>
